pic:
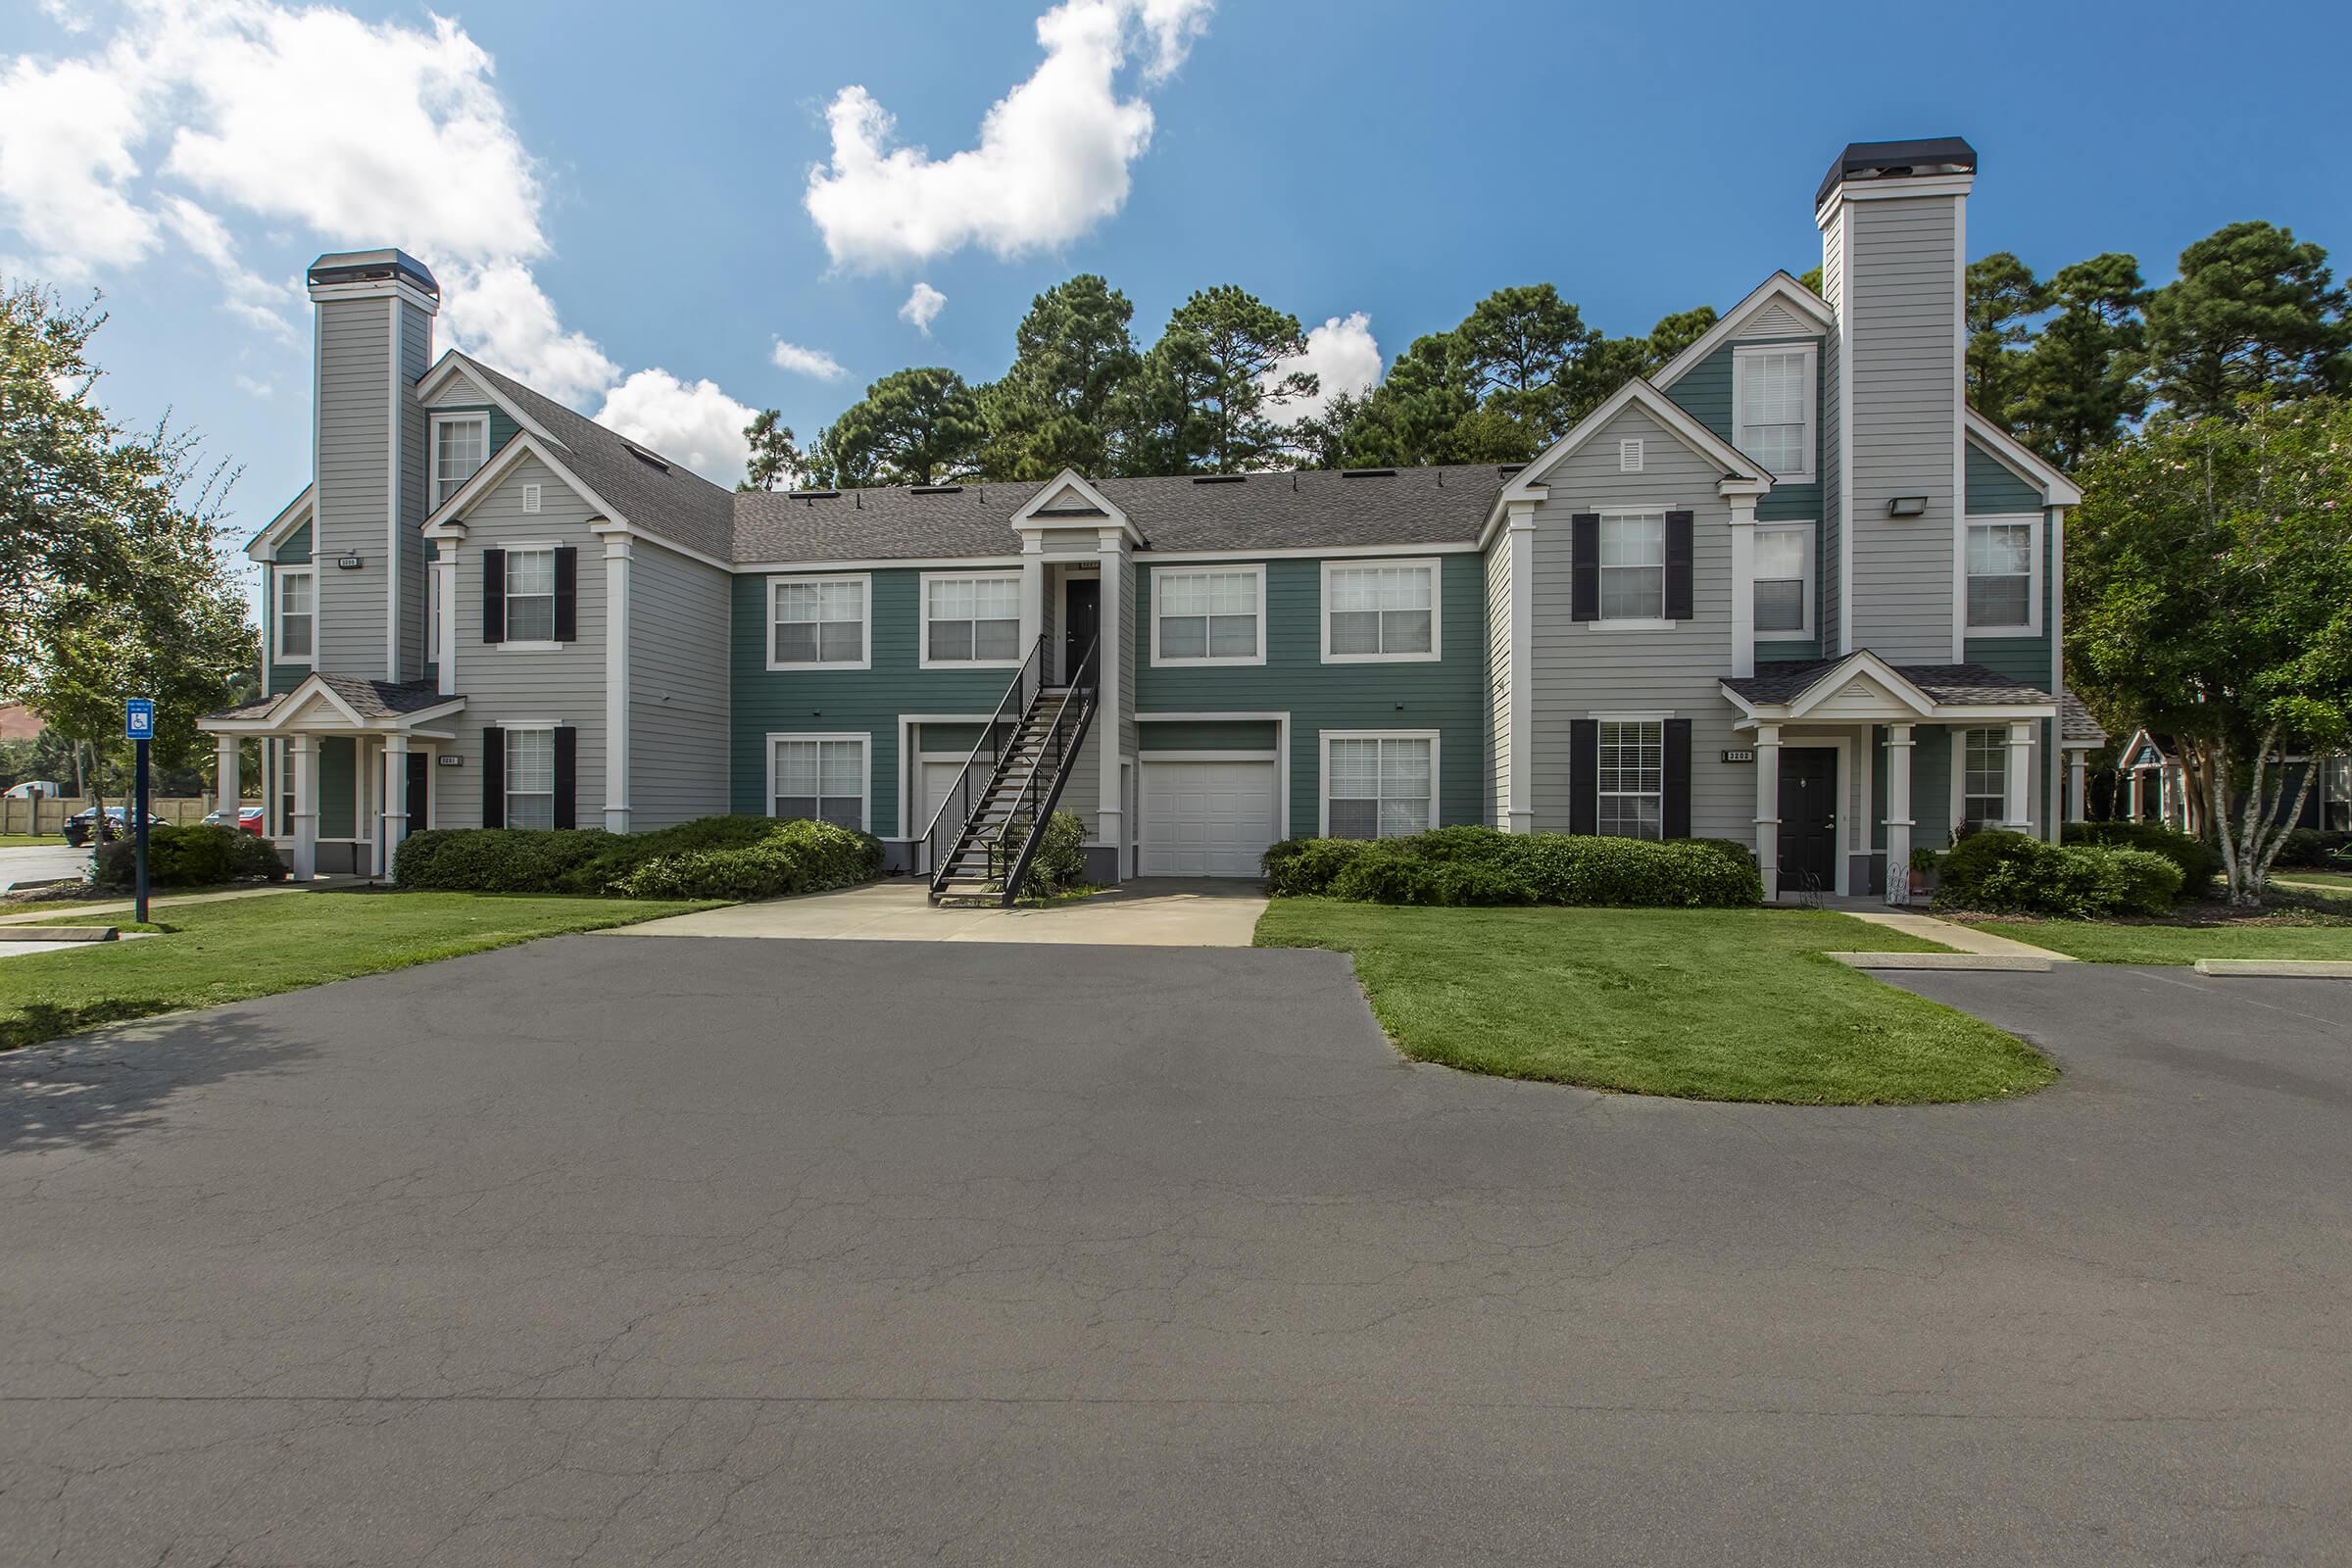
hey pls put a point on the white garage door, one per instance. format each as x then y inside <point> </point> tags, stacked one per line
<point>1206,818</point>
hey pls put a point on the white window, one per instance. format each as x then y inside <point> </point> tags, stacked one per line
<point>532,595</point>
<point>530,777</point>
<point>460,442</point>
<point>971,621</point>
<point>1378,786</point>
<point>297,614</point>
<point>2004,575</point>
<point>1984,776</point>
<point>1213,615</point>
<point>1632,566</point>
<point>820,779</point>
<point>1379,611</point>
<point>1632,779</point>
<point>1784,580</point>
<point>818,622</point>
<point>2336,795</point>
<point>1772,407</point>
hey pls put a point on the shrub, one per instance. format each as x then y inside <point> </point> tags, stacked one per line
<point>2199,862</point>
<point>594,862</point>
<point>498,860</point>
<point>2137,881</point>
<point>1060,859</point>
<point>790,858</point>
<point>2313,849</point>
<point>1477,865</point>
<point>189,855</point>
<point>2010,873</point>
<point>1305,868</point>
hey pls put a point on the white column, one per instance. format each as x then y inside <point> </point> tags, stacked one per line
<point>1768,808</point>
<point>445,594</point>
<point>303,754</point>
<point>224,780</point>
<point>2078,787</point>
<point>396,801</point>
<point>1744,586</point>
<point>616,683</point>
<point>1109,813</point>
<point>2021,775</point>
<point>1033,595</point>
<point>1521,806</point>
<point>1898,814</point>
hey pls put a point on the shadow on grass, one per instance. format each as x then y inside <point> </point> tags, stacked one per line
<point>91,1093</point>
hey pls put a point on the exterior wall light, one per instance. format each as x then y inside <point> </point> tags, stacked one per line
<point>1907,507</point>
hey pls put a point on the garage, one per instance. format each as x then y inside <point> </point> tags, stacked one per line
<point>1205,818</point>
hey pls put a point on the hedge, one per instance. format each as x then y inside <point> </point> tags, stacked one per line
<point>1480,866</point>
<point>593,862</point>
<point>2316,849</point>
<point>2199,860</point>
<point>190,855</point>
<point>2010,873</point>
<point>1058,863</point>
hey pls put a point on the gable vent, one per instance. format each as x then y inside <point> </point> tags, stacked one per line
<point>938,489</point>
<point>1220,479</point>
<point>1629,456</point>
<point>1367,473</point>
<point>532,494</point>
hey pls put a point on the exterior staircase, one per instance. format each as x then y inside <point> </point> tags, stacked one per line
<point>987,830</point>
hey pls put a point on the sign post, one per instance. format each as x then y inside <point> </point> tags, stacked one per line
<point>139,725</point>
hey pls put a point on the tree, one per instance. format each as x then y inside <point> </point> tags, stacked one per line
<point>2081,382</point>
<point>914,426</point>
<point>2003,299</point>
<point>2209,595</point>
<point>1200,397</point>
<point>1672,334</point>
<point>1523,348</point>
<point>1810,277</point>
<point>776,463</point>
<point>1072,353</point>
<point>2253,315</point>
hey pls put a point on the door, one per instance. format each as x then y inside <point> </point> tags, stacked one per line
<point>420,779</point>
<point>1083,611</point>
<point>1206,818</point>
<point>938,778</point>
<point>1808,818</point>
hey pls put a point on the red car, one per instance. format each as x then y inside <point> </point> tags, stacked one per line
<point>249,817</point>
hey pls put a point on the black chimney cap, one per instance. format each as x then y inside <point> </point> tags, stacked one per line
<point>1893,160</point>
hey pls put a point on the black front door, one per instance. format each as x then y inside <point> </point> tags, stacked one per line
<point>1808,818</point>
<point>420,779</point>
<point>1083,609</point>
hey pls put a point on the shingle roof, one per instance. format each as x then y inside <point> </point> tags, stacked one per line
<point>369,698</point>
<point>2076,726</point>
<point>1971,685</point>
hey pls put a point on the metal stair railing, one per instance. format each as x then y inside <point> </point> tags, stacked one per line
<point>952,824</point>
<point>1041,791</point>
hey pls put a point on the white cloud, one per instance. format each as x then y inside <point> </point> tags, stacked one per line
<point>807,361</point>
<point>68,135</point>
<point>247,295</point>
<point>253,388</point>
<point>696,424</point>
<point>498,311</point>
<point>922,308</point>
<point>1345,358</point>
<point>1054,153</point>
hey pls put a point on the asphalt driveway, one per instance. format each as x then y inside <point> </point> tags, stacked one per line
<point>41,862</point>
<point>745,1252</point>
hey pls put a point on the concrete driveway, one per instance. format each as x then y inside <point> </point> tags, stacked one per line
<point>39,862</point>
<point>1147,912</point>
<point>726,1251</point>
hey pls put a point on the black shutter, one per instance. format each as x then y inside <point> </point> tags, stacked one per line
<point>1584,564</point>
<point>567,592</point>
<point>494,596</point>
<point>420,780</point>
<point>1584,775</point>
<point>1680,549</point>
<point>1678,776</point>
<point>567,775</point>
<point>494,777</point>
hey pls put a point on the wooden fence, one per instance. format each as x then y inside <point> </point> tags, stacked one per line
<point>47,816</point>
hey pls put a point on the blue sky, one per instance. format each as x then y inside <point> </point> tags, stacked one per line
<point>621,195</point>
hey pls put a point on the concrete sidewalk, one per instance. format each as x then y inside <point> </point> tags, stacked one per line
<point>1167,913</point>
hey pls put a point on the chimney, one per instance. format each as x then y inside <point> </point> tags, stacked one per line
<point>1893,219</point>
<point>375,313</point>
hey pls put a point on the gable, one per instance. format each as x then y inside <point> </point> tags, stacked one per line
<point>1776,320</point>
<point>460,390</point>
<point>1860,696</point>
<point>1993,486</point>
<point>1594,464</point>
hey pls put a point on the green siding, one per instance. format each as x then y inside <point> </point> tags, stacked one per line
<point>938,738</point>
<point>1994,487</point>
<point>2024,658</point>
<point>297,548</point>
<point>868,701</point>
<point>1447,695</point>
<point>338,796</point>
<point>502,427</point>
<point>1932,787</point>
<point>1185,735</point>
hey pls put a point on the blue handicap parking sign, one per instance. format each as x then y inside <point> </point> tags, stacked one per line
<point>138,718</point>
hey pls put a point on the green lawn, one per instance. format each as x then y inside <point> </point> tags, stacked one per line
<point>30,841</point>
<point>2321,879</point>
<point>242,948</point>
<point>1704,1005</point>
<point>2107,942</point>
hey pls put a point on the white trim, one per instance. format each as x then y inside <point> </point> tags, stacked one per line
<point>1528,483</point>
<point>865,651</point>
<point>1778,288</point>
<point>442,577</point>
<point>1957,800</point>
<point>1742,354</point>
<point>1256,570</point>
<point>1629,455</point>
<point>1281,721</point>
<point>865,751</point>
<point>376,288</point>
<point>1892,190</point>
<point>1811,575</point>
<point>2034,575</point>
<point>392,468</point>
<point>433,451</point>
<point>1602,621</point>
<point>1027,518</point>
<point>2057,489</point>
<point>1323,740</point>
<point>1844,318</point>
<point>1658,718</point>
<point>1205,717</point>
<point>923,620</point>
<point>1267,755</point>
<point>428,387</point>
<point>272,576</point>
<point>493,471</point>
<point>1644,715</point>
<point>910,761</point>
<point>1520,807</point>
<point>1434,566</point>
<point>1458,547</point>
<point>964,564</point>
<point>1848,824</point>
<point>618,585</point>
<point>263,546</point>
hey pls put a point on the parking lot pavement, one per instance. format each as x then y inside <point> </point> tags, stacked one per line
<point>40,862</point>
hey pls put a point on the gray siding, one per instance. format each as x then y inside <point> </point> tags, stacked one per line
<point>354,432</point>
<point>1499,677</point>
<point>562,685</point>
<point>1580,668</point>
<point>1902,315</point>
<point>416,349</point>
<point>678,615</point>
<point>1833,455</point>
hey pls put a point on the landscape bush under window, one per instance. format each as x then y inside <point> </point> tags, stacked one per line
<point>2010,873</point>
<point>711,856</point>
<point>1480,866</point>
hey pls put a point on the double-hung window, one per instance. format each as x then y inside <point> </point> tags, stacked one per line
<point>530,777</point>
<point>1379,611</point>
<point>297,614</point>
<point>1784,580</point>
<point>2003,570</point>
<point>818,622</point>
<point>1632,779</point>
<point>461,444</point>
<point>1213,615</point>
<point>971,621</point>
<point>1632,566</point>
<point>1772,407</point>
<point>1984,776</point>
<point>530,600</point>
<point>820,779</point>
<point>1378,786</point>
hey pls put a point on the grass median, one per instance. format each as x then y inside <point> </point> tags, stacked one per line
<point>2132,942</point>
<point>1697,1003</point>
<point>238,949</point>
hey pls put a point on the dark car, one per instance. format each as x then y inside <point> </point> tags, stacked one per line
<point>78,826</point>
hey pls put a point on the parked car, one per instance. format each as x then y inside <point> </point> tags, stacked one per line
<point>248,817</point>
<point>118,822</point>
<point>48,789</point>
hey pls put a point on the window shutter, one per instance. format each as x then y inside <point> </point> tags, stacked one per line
<point>421,784</point>
<point>1584,775</point>
<point>1677,777</point>
<point>1680,549</point>
<point>567,593</point>
<point>494,596</point>
<point>1584,565</point>
<point>567,775</point>
<point>494,777</point>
